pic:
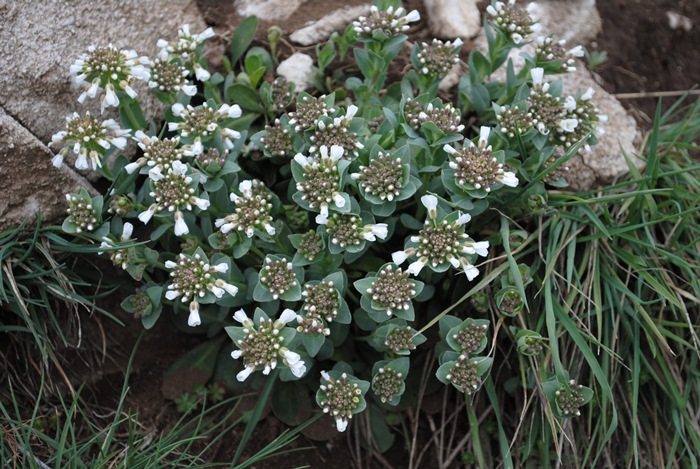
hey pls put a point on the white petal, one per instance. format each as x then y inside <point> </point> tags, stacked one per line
<point>146,215</point>
<point>341,424</point>
<point>240,316</point>
<point>484,135</point>
<point>352,110</point>
<point>568,125</point>
<point>132,167</point>
<point>321,219</point>
<point>430,202</point>
<point>570,103</point>
<point>203,204</point>
<point>236,354</point>
<point>412,17</point>
<point>193,320</point>
<point>287,316</point>
<point>399,257</point>
<point>577,51</point>
<point>218,292</point>
<point>301,159</point>
<point>338,200</point>
<point>337,152</point>
<point>463,219</point>
<point>155,173</point>
<point>246,188</point>
<point>509,179</point>
<point>177,108</point>
<point>415,267</point>
<point>380,230</point>
<point>537,75</point>
<point>481,248</point>
<point>180,225</point>
<point>222,267</point>
<point>235,111</point>
<point>588,94</point>
<point>189,90</point>
<point>172,294</point>
<point>127,231</point>
<point>243,375</point>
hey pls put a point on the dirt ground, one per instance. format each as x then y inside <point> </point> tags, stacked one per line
<point>644,55</point>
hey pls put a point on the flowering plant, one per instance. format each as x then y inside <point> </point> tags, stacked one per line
<point>304,219</point>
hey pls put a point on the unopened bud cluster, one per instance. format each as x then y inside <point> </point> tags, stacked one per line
<point>446,118</point>
<point>387,383</point>
<point>400,340</point>
<point>392,290</point>
<point>570,398</point>
<point>512,19</point>
<point>438,58</point>
<point>277,140</point>
<point>390,22</point>
<point>464,374</point>
<point>140,304</point>
<point>308,112</point>
<point>278,277</point>
<point>81,213</point>
<point>514,121</point>
<point>470,336</point>
<point>310,245</point>
<point>281,94</point>
<point>320,306</point>
<point>381,177</point>
<point>339,398</point>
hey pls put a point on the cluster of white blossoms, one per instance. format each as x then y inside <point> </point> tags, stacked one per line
<point>441,243</point>
<point>262,346</point>
<point>192,277</point>
<point>109,70</point>
<point>321,181</point>
<point>173,191</point>
<point>388,22</point>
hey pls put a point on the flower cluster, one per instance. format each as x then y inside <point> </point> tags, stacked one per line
<point>157,153</point>
<point>513,20</point>
<point>336,133</point>
<point>387,22</point>
<point>547,50</point>
<point>569,398</point>
<point>89,138</point>
<point>321,306</point>
<point>341,397</point>
<point>110,70</point>
<point>441,243</point>
<point>82,213</point>
<point>252,210</point>
<point>278,276</point>
<point>308,111</point>
<point>261,345</point>
<point>174,192</point>
<point>192,278</point>
<point>319,181</point>
<point>437,58</point>
<point>203,123</point>
<point>119,257</point>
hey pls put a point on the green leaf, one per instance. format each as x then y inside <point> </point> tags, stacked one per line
<point>313,343</point>
<point>242,37</point>
<point>246,97</point>
<point>195,367</point>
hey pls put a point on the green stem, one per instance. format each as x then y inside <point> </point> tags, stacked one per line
<point>476,439</point>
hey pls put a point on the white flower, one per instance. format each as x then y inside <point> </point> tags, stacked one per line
<point>243,375</point>
<point>201,73</point>
<point>302,160</point>
<point>537,75</point>
<point>430,202</point>
<point>294,362</point>
<point>570,103</point>
<point>180,224</point>
<point>484,136</point>
<point>415,267</point>
<point>509,179</point>
<point>341,424</point>
<point>227,287</point>
<point>241,317</point>
<point>171,294</point>
<point>469,270</point>
<point>399,257</point>
<point>193,320</point>
<point>588,94</point>
<point>287,315</point>
<point>377,230</point>
<point>146,215</point>
<point>463,219</point>
<point>568,125</point>
<point>577,51</point>
<point>177,109</point>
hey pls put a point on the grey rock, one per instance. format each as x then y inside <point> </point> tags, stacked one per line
<point>268,10</point>
<point>40,40</point>
<point>449,19</point>
<point>322,29</point>
<point>578,22</point>
<point>606,161</point>
<point>29,180</point>
<point>298,69</point>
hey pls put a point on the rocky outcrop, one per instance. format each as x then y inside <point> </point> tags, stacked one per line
<point>29,181</point>
<point>40,40</point>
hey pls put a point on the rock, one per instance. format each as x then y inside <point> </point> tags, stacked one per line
<point>268,10</point>
<point>322,29</point>
<point>449,19</point>
<point>606,160</point>
<point>40,42</point>
<point>29,180</point>
<point>298,69</point>
<point>578,21</point>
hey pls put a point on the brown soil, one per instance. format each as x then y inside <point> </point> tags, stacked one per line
<point>645,55</point>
